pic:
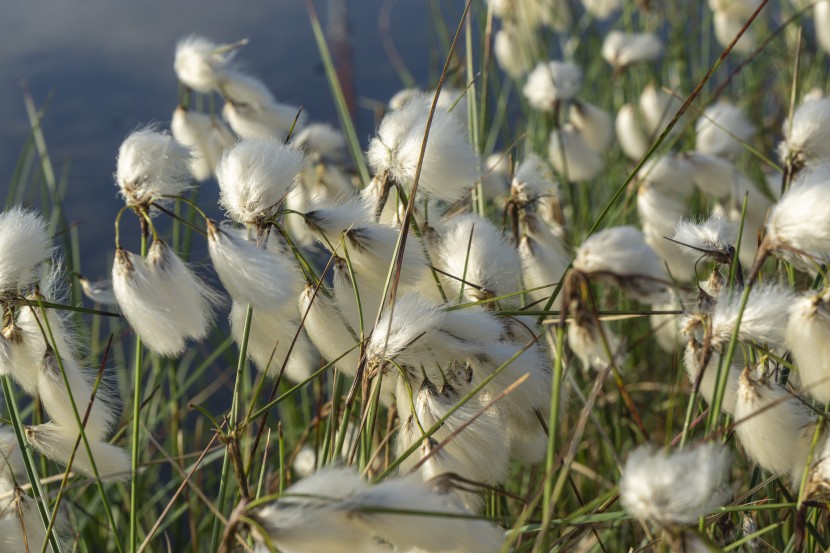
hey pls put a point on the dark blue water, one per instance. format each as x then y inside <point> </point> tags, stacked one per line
<point>110,65</point>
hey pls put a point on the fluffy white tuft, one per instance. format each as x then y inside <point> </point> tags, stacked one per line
<point>205,135</point>
<point>808,339</point>
<point>602,9</point>
<point>622,49</point>
<point>693,359</point>
<point>450,166</point>
<point>658,108</point>
<point>255,175</point>
<point>764,318</point>
<point>675,488</point>
<point>550,82</point>
<point>24,245</point>
<point>253,275</point>
<point>200,64</point>
<point>806,138</point>
<point>56,442</point>
<point>722,130</point>
<point>542,266</point>
<point>151,165</point>
<point>513,54</point>
<point>476,253</point>
<point>774,428</point>
<point>798,227</point>
<point>571,155</point>
<point>622,254</point>
<point>594,125</point>
<point>329,330</point>
<point>714,237</point>
<point>632,135</point>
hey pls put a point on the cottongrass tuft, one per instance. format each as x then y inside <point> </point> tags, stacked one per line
<point>24,245</point>
<point>150,166</point>
<point>623,49</point>
<point>675,488</point>
<point>254,176</point>
<point>722,130</point>
<point>552,82</point>
<point>713,238</point>
<point>56,442</point>
<point>206,136</point>
<point>450,166</point>
<point>807,337</point>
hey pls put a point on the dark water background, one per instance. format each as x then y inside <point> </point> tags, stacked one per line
<point>110,66</point>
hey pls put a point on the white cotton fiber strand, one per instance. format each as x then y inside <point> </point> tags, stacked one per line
<point>764,318</point>
<point>722,130</point>
<point>808,339</point>
<point>571,155</point>
<point>550,82</point>
<point>799,224</point>
<point>200,63</point>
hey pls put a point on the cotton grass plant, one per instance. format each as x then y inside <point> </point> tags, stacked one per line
<point>553,303</point>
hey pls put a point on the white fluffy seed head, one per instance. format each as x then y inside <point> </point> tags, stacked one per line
<point>675,488</point>
<point>450,166</point>
<point>11,459</point>
<point>482,263</point>
<point>722,130</point>
<point>205,135</point>
<point>773,427</point>
<point>623,49</point>
<point>798,227</point>
<point>807,137</point>
<point>201,64</point>
<point>163,300</point>
<point>551,82</point>
<point>714,237</point>
<point>669,173</point>
<point>251,274</point>
<point>622,254</point>
<point>764,317</point>
<point>542,266</point>
<point>322,142</point>
<point>594,124</point>
<point>255,175</point>
<point>631,132</point>
<point>57,442</point>
<point>808,339</point>
<point>571,155</point>
<point>601,9</point>
<point>22,529</point>
<point>329,331</point>
<point>714,176</point>
<point>24,245</point>
<point>658,108</point>
<point>821,15</point>
<point>588,342</point>
<point>693,359</point>
<point>728,25</point>
<point>270,337</point>
<point>513,54</point>
<point>151,165</point>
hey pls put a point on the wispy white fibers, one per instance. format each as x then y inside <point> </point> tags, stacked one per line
<point>542,266</point>
<point>371,294</point>
<point>722,130</point>
<point>513,54</point>
<point>713,238</point>
<point>594,125</point>
<point>714,176</point>
<point>478,258</point>
<point>205,135</point>
<point>658,108</point>
<point>798,227</point>
<point>622,49</point>
<point>807,136</point>
<point>450,166</point>
<point>163,300</point>
<point>659,213</point>
<point>764,319</point>
<point>322,143</point>
<point>56,442</point>
<point>11,459</point>
<point>253,112</point>
<point>728,25</point>
<point>602,9</point>
<point>255,175</point>
<point>808,339</point>
<point>527,404</point>
<point>631,132</point>
<point>201,64</point>
<point>693,359</point>
<point>479,452</point>
<point>329,331</point>
<point>453,100</point>
<point>675,488</point>
<point>334,511</point>
<point>24,244</point>
<point>588,339</point>
<point>257,276</point>
<point>622,254</point>
<point>271,334</point>
<point>21,528</point>
<point>370,245</point>
<point>551,82</point>
<point>151,165</point>
<point>773,427</point>
<point>571,155</point>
